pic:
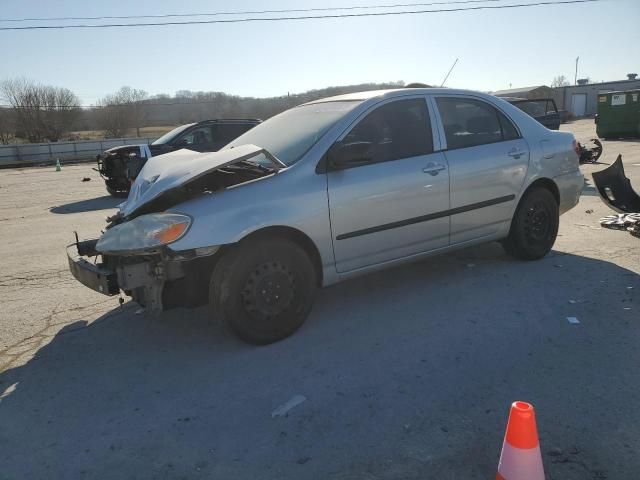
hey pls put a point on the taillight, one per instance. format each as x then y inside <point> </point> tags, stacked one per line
<point>576,147</point>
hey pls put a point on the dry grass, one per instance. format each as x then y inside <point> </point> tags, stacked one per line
<point>147,132</point>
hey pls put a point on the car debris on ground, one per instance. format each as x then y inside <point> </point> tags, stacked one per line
<point>617,193</point>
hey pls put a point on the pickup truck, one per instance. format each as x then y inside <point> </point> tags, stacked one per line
<point>544,110</point>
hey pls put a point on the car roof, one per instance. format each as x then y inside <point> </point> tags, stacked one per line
<point>230,120</point>
<point>396,92</point>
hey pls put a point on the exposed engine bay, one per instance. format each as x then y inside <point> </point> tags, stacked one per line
<point>119,166</point>
<point>155,276</point>
<point>209,183</point>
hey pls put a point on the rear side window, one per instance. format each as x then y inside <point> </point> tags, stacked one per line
<point>468,123</point>
<point>534,108</point>
<point>509,132</point>
<point>397,130</point>
<point>226,132</point>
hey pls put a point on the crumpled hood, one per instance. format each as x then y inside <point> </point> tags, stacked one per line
<point>172,170</point>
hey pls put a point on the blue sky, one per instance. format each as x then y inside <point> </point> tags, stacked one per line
<point>496,49</point>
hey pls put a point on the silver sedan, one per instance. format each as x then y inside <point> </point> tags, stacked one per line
<point>328,190</point>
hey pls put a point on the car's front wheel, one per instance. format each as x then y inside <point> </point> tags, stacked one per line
<point>534,227</point>
<point>117,189</point>
<point>263,288</point>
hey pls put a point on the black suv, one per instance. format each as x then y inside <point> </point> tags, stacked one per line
<point>119,166</point>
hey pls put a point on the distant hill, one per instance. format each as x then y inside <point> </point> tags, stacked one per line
<point>187,106</point>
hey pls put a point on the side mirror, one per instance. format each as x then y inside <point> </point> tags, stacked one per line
<point>346,155</point>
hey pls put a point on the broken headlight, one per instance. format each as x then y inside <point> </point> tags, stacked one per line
<point>144,233</point>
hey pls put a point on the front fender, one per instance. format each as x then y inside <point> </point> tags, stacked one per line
<point>284,200</point>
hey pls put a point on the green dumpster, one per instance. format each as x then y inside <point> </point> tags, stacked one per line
<point>618,114</point>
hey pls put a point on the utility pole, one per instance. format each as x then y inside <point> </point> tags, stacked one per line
<point>575,79</point>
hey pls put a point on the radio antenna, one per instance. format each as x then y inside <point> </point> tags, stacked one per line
<point>449,73</point>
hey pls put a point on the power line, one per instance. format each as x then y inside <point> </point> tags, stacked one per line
<point>307,17</point>
<point>246,12</point>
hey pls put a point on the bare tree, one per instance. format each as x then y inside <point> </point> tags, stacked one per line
<point>187,106</point>
<point>559,81</point>
<point>7,127</point>
<point>41,112</point>
<point>123,110</point>
<point>60,111</point>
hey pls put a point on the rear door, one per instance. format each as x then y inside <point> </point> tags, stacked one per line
<point>552,117</point>
<point>543,110</point>
<point>488,162</point>
<point>395,205</point>
<point>224,133</point>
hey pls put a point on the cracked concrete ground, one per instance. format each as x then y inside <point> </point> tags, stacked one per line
<point>407,373</point>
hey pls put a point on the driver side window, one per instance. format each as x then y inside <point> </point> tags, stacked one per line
<point>197,136</point>
<point>397,130</point>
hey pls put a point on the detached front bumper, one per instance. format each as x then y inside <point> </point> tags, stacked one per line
<point>142,278</point>
<point>155,281</point>
<point>95,276</point>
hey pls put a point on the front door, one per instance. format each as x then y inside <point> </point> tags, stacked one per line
<point>394,205</point>
<point>488,163</point>
<point>198,139</point>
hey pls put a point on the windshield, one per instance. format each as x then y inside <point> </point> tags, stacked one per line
<point>167,137</point>
<point>289,135</point>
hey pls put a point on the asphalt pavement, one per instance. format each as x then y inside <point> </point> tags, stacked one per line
<point>407,373</point>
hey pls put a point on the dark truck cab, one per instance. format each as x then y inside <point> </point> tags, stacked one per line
<point>119,166</point>
<point>544,110</point>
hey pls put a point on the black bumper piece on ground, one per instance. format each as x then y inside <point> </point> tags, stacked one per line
<point>91,275</point>
<point>615,188</point>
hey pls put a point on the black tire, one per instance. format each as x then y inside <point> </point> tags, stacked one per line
<point>534,226</point>
<point>263,289</point>
<point>117,193</point>
<point>117,189</point>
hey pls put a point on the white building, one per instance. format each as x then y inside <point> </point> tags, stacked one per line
<point>582,100</point>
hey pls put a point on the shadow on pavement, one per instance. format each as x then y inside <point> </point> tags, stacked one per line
<point>407,373</point>
<point>101,203</point>
<point>589,188</point>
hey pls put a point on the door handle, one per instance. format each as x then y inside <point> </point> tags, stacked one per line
<point>433,168</point>
<point>515,153</point>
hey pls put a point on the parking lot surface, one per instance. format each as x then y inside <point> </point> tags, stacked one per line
<point>407,373</point>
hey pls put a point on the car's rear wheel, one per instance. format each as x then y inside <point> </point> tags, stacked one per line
<point>263,289</point>
<point>534,227</point>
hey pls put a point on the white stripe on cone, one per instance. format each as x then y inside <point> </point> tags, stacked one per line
<point>520,463</point>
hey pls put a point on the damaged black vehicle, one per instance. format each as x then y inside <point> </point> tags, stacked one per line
<point>119,166</point>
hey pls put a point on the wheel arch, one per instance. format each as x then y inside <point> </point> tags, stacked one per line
<point>298,237</point>
<point>547,184</point>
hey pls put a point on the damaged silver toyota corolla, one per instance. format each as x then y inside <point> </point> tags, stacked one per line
<point>326,191</point>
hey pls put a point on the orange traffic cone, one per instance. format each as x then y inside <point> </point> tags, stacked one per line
<point>520,458</point>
